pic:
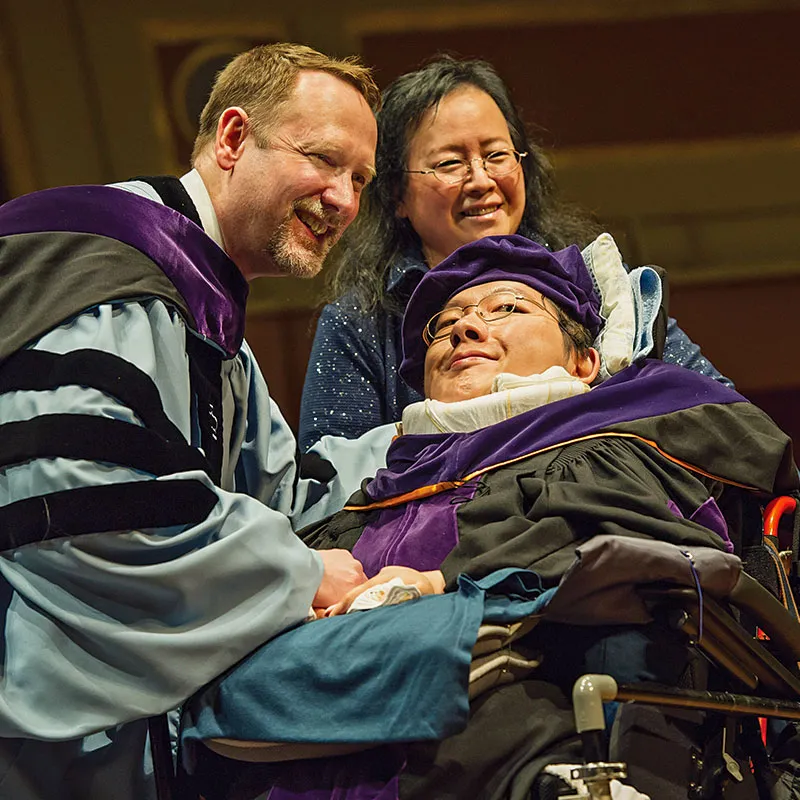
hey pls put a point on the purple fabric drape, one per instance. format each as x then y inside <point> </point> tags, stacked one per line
<point>210,283</point>
<point>640,391</point>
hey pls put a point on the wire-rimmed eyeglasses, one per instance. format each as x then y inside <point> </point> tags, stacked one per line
<point>493,307</point>
<point>456,170</point>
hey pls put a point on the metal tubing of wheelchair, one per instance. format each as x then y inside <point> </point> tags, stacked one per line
<point>594,746</point>
<point>748,654</point>
<point>725,642</point>
<point>719,654</point>
<point>724,702</point>
<point>779,624</point>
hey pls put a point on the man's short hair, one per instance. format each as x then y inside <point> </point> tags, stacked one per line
<point>261,80</point>
<point>578,340</point>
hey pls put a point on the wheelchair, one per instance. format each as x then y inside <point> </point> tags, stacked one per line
<point>730,735</point>
<point>752,638</point>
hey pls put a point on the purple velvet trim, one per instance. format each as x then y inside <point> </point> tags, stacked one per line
<point>675,509</point>
<point>366,791</point>
<point>210,283</point>
<point>561,276</point>
<point>636,392</point>
<point>709,516</point>
<point>369,775</point>
<point>418,534</point>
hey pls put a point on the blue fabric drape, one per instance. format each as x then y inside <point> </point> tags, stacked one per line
<point>392,674</point>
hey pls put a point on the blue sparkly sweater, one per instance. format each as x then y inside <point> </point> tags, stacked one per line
<point>352,384</point>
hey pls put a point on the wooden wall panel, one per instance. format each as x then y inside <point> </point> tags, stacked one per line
<point>281,342</point>
<point>748,329</point>
<point>783,405</point>
<point>620,82</point>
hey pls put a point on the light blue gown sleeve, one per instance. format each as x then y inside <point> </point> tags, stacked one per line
<point>115,626</point>
<point>304,501</point>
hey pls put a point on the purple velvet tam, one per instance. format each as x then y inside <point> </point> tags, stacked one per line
<point>561,277</point>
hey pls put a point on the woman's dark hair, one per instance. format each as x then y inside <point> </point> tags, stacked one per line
<point>366,252</point>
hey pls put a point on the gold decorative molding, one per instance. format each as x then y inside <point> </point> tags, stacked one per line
<point>730,274</point>
<point>566,157</point>
<point>204,28</point>
<point>177,48</point>
<point>186,69</point>
<point>481,15</point>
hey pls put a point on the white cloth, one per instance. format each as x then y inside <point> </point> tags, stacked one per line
<point>629,305</point>
<point>619,790</point>
<point>510,395</point>
<point>194,185</point>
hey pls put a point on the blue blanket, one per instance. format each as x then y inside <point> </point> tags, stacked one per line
<point>392,674</point>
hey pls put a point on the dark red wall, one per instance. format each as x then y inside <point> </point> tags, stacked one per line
<point>648,80</point>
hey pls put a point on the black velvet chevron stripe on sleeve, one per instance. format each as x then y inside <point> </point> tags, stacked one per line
<point>153,445</point>
<point>37,370</point>
<point>81,436</point>
<point>100,509</point>
<point>156,447</point>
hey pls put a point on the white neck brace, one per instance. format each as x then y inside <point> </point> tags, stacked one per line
<point>510,395</point>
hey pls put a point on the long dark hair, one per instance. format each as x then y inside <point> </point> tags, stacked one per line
<point>365,254</point>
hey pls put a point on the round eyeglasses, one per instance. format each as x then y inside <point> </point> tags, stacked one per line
<point>456,170</point>
<point>493,307</point>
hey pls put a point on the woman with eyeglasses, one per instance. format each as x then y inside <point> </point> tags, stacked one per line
<point>454,164</point>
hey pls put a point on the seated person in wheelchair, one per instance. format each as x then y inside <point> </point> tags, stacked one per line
<point>539,432</point>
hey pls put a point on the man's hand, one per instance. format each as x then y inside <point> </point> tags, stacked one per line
<point>427,582</point>
<point>342,574</point>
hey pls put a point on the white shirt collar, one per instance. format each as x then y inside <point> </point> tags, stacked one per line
<point>194,185</point>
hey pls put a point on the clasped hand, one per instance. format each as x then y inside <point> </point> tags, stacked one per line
<point>344,580</point>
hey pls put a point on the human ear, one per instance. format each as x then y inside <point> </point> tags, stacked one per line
<point>587,366</point>
<point>232,130</point>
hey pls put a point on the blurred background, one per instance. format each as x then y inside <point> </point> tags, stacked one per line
<point>677,123</point>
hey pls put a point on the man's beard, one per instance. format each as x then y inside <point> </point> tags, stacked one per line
<point>300,259</point>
